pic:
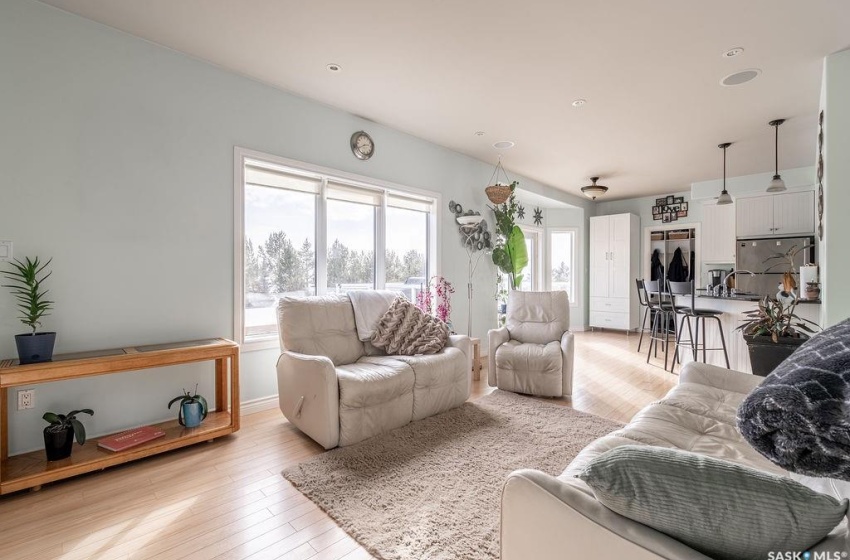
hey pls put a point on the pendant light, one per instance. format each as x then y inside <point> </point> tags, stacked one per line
<point>724,197</point>
<point>777,184</point>
<point>594,190</point>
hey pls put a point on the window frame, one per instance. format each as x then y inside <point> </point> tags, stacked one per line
<point>539,243</point>
<point>577,264</point>
<point>240,155</point>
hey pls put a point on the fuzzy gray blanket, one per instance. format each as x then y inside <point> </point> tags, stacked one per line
<point>799,418</point>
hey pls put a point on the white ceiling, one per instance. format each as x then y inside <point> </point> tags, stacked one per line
<point>442,70</point>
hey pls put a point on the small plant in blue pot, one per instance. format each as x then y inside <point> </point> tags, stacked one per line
<point>193,408</point>
<point>59,435</point>
<point>26,282</point>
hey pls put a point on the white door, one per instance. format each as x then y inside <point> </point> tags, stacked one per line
<point>599,256</point>
<point>718,233</point>
<point>620,249</point>
<point>754,216</point>
<point>794,213</point>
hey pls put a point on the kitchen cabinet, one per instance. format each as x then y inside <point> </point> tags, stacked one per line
<point>776,215</point>
<point>614,255</point>
<point>718,233</point>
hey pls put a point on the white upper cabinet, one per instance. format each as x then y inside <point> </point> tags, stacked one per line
<point>782,214</point>
<point>718,233</point>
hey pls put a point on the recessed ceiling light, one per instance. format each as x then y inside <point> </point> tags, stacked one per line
<point>504,145</point>
<point>480,133</point>
<point>741,77</point>
<point>733,52</point>
<point>333,67</point>
<point>579,102</point>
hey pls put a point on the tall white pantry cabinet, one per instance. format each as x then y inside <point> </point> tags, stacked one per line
<point>614,263</point>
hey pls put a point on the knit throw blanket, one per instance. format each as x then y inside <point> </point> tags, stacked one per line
<point>406,330</point>
<point>799,417</point>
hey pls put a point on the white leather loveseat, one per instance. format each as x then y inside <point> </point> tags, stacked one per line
<point>546,517</point>
<point>339,390</point>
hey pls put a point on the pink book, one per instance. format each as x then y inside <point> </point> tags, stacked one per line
<point>130,438</point>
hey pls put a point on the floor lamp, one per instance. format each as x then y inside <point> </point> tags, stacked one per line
<point>470,230</point>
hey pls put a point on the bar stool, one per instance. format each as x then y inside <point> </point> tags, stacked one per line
<point>647,305</point>
<point>699,315</point>
<point>663,314</point>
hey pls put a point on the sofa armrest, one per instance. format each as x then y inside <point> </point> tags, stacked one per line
<point>567,359</point>
<point>464,344</point>
<point>495,338</point>
<point>308,392</point>
<point>544,518</point>
<point>721,378</point>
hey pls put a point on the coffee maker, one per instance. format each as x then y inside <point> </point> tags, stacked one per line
<point>715,277</point>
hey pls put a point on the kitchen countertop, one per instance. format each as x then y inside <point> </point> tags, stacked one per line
<point>745,297</point>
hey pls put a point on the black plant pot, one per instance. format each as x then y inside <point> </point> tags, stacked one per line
<point>766,355</point>
<point>35,348</point>
<point>58,444</point>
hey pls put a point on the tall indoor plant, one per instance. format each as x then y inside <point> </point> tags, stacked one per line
<point>509,254</point>
<point>772,332</point>
<point>26,282</point>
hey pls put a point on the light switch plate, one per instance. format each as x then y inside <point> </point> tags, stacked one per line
<point>5,250</point>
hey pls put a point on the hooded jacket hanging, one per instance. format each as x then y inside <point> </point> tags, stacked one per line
<point>656,269</point>
<point>678,271</point>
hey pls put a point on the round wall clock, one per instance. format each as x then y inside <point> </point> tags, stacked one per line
<point>362,145</point>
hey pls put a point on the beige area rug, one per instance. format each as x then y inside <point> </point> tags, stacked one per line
<point>432,489</point>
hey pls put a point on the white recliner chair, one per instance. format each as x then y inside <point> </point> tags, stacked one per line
<point>533,352</point>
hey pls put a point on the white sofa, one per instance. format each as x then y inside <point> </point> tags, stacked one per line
<point>339,390</point>
<point>533,352</point>
<point>546,517</point>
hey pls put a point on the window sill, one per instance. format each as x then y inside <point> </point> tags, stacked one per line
<point>258,344</point>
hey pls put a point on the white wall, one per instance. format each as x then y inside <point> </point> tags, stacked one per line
<point>836,257</point>
<point>117,159</point>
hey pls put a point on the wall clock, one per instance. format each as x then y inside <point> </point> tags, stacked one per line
<point>362,145</point>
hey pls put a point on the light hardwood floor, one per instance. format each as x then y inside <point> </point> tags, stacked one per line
<point>228,500</point>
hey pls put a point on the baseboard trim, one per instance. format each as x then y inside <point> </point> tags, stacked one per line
<point>258,405</point>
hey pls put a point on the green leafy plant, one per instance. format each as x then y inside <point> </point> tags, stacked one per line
<point>26,279</point>
<point>189,398</point>
<point>774,319</point>
<point>61,422</point>
<point>509,254</point>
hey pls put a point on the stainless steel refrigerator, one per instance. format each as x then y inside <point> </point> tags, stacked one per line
<point>755,255</point>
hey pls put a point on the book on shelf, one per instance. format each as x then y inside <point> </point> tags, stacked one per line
<point>130,438</point>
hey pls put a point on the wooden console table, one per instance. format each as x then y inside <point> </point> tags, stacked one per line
<point>31,470</point>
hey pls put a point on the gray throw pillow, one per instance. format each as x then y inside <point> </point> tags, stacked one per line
<point>724,510</point>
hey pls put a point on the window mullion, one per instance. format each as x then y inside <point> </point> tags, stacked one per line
<point>381,243</point>
<point>322,239</point>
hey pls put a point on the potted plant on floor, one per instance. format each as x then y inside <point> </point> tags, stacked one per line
<point>193,408</point>
<point>59,435</point>
<point>773,332</point>
<point>26,282</point>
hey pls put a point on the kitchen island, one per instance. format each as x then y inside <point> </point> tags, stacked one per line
<point>733,310</point>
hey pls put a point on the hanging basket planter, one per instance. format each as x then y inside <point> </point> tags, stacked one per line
<point>498,194</point>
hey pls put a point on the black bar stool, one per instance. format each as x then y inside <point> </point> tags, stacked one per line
<point>664,313</point>
<point>699,315</point>
<point>647,305</point>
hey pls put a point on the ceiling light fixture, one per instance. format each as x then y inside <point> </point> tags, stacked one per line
<point>480,133</point>
<point>733,52</point>
<point>333,67</point>
<point>741,77</point>
<point>504,145</point>
<point>776,184</point>
<point>724,197</point>
<point>579,102</point>
<point>594,190</point>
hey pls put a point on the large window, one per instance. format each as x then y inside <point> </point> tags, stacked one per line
<point>531,278</point>
<point>562,258</point>
<point>306,231</point>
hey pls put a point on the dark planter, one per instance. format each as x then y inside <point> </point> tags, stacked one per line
<point>58,444</point>
<point>35,348</point>
<point>766,355</point>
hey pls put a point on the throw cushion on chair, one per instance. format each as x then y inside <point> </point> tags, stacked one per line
<point>799,417</point>
<point>725,510</point>
<point>404,329</point>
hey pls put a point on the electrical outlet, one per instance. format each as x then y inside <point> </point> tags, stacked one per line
<point>5,250</point>
<point>26,399</point>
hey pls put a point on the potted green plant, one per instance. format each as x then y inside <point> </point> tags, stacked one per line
<point>509,254</point>
<point>193,408</point>
<point>26,282</point>
<point>59,435</point>
<point>772,332</point>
